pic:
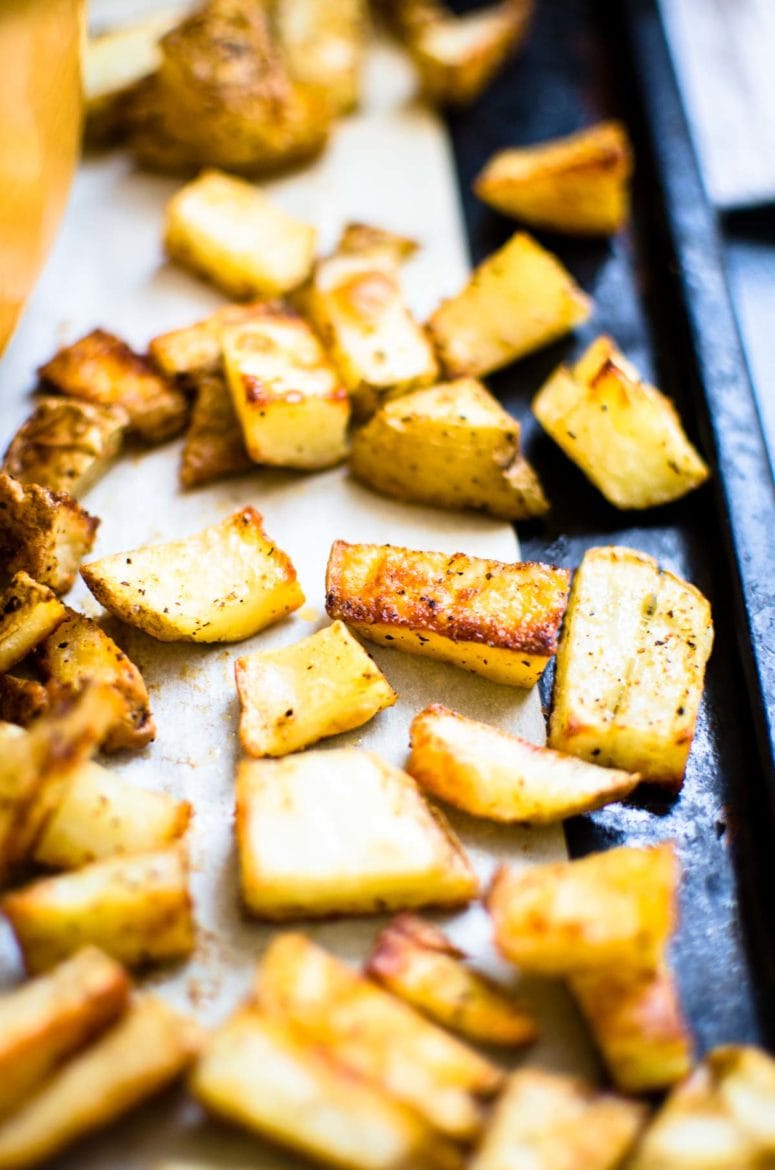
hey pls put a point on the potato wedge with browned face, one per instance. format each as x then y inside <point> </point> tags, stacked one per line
<point>214,446</point>
<point>358,238</point>
<point>66,445</point>
<point>29,612</point>
<point>43,533</point>
<point>22,699</point>
<point>194,350</point>
<point>323,45</point>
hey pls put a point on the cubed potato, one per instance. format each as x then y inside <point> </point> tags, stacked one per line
<point>101,368</point>
<point>291,404</point>
<point>29,612</point>
<point>625,435</point>
<point>499,620</point>
<point>43,533</point>
<point>136,1058</point>
<point>320,686</point>
<point>46,1020</point>
<point>550,1122</point>
<point>66,445</point>
<point>631,666</point>
<point>518,300</point>
<point>358,238</point>
<point>196,349</point>
<point>136,908</point>
<point>324,46</point>
<point>616,908</point>
<point>638,1025</point>
<point>491,773</point>
<point>214,445</point>
<point>101,815</point>
<point>233,235</point>
<point>80,652</point>
<point>383,847</point>
<point>415,960</point>
<point>248,583</point>
<point>21,699</point>
<point>578,184</point>
<point>375,1035</point>
<point>453,446</point>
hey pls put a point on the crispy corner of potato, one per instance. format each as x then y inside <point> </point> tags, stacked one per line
<point>22,699</point>
<point>250,583</point>
<point>320,686</point>
<point>29,612</point>
<point>617,908</point>
<point>323,46</point>
<point>359,238</point>
<point>498,620</point>
<point>384,847</point>
<point>43,533</point>
<point>137,908</point>
<point>194,350</point>
<point>214,446</point>
<point>65,444</point>
<point>415,960</point>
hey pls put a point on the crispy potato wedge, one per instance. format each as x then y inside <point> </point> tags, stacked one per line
<point>491,773</point>
<point>102,369</point>
<point>453,446</point>
<point>375,1035</point>
<point>324,46</point>
<point>320,686</point>
<point>233,235</point>
<point>625,435</point>
<point>550,1122</point>
<point>66,445</point>
<point>495,619</point>
<point>79,652</point>
<point>21,699</point>
<point>291,405</point>
<point>195,349</point>
<point>518,300</point>
<point>29,612</point>
<point>415,960</point>
<point>46,1020</point>
<point>161,588</point>
<point>631,666</point>
<point>149,1047</point>
<point>43,533</point>
<point>214,445</point>
<point>101,815</point>
<point>383,848</point>
<point>616,908</point>
<point>136,908</point>
<point>358,238</point>
<point>578,184</point>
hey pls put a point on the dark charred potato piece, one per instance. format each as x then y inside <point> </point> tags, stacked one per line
<point>21,699</point>
<point>214,445</point>
<point>43,533</point>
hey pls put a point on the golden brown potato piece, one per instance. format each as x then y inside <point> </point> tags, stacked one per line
<point>375,1035</point>
<point>320,686</point>
<point>66,445</point>
<point>196,349</point>
<point>625,435</point>
<point>149,1047</point>
<point>43,533</point>
<point>161,588</point>
<point>136,908</point>
<point>616,908</point>
<point>498,620</point>
<point>417,962</point>
<point>491,773</point>
<point>358,238</point>
<point>578,184</point>
<point>21,699</point>
<point>44,1021</point>
<point>214,445</point>
<point>323,44</point>
<point>451,445</point>
<point>383,847</point>
<point>101,368</point>
<point>518,300</point>
<point>29,612</point>
<point>550,1122</point>
<point>631,666</point>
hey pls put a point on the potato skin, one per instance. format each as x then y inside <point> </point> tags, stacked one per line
<point>43,533</point>
<point>66,445</point>
<point>214,446</point>
<point>21,700</point>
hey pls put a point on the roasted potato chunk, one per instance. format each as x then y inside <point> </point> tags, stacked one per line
<point>66,445</point>
<point>136,908</point>
<point>453,446</point>
<point>320,686</point>
<point>323,45</point>
<point>578,184</point>
<point>43,533</point>
<point>415,960</point>
<point>498,620</point>
<point>149,1047</point>
<point>101,815</point>
<point>214,445</point>
<point>102,369</point>
<point>29,612</point>
<point>518,300</point>
<point>196,349</point>
<point>616,908</point>
<point>359,238</point>
<point>21,699</point>
<point>625,435</point>
<point>232,234</point>
<point>491,773</point>
<point>383,848</point>
<point>550,1122</point>
<point>44,1021</point>
<point>161,588</point>
<point>631,666</point>
<point>375,1035</point>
